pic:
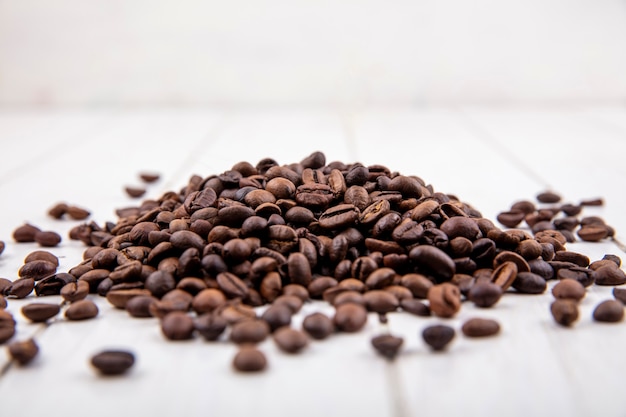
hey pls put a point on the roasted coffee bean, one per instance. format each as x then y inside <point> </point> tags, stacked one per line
<point>613,258</point>
<point>569,289</point>
<point>485,294</point>
<point>81,310</point>
<point>139,306</point>
<point>380,278</point>
<point>564,311</point>
<point>609,311</point>
<point>504,275</point>
<point>210,326</point>
<point>511,218</point>
<point>232,285</point>
<point>320,284</point>
<point>438,336</point>
<point>548,197</point>
<point>293,302</point>
<point>480,327</point>
<point>529,283</point>
<point>113,362</point>
<point>609,275</point>
<point>177,325</point>
<point>25,233</point>
<point>3,302</point>
<point>249,331</point>
<point>47,238</point>
<point>52,284</point>
<point>40,312</point>
<point>42,255</point>
<point>415,306</point>
<point>290,340</point>
<point>418,284</point>
<point>277,315</point>
<point>235,312</point>
<point>444,299</point>
<point>7,326</point>
<point>119,298</point>
<point>573,257</point>
<point>593,232</point>
<point>620,294</point>
<point>347,296</point>
<point>249,359</point>
<point>23,352</point>
<point>583,275</point>
<point>21,288</point>
<point>350,317</point>
<point>387,345</point>
<point>160,283</point>
<point>380,301</point>
<point>339,217</point>
<point>318,325</point>
<point>434,261</point>
<point>299,269</point>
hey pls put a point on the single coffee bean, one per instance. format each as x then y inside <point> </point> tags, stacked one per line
<point>444,299</point>
<point>380,278</point>
<point>433,260</point>
<point>47,238</point>
<point>249,331</point>
<point>25,233</point>
<point>235,312</point>
<point>37,269</point>
<point>74,291</point>
<point>208,300</point>
<point>583,275</point>
<point>380,301</point>
<point>290,340</point>
<point>23,352</point>
<point>593,232</point>
<point>529,283</point>
<point>350,317</point>
<point>7,326</point>
<point>81,310</point>
<point>77,213</point>
<point>387,345</point>
<point>504,275</point>
<point>438,336</point>
<point>160,283</point>
<point>249,359</point>
<point>318,325</point>
<point>3,302</point>
<point>40,312</point>
<point>177,325</point>
<point>119,298</point>
<point>232,285</point>
<point>564,311</point>
<point>277,315</point>
<point>609,275</point>
<point>113,362</point>
<point>569,288</point>
<point>620,294</point>
<point>418,284</point>
<point>511,218</point>
<point>609,311</point>
<point>210,326</point>
<point>415,307</point>
<point>484,294</point>
<point>548,197</point>
<point>139,306</point>
<point>480,327</point>
<point>21,288</point>
<point>291,301</point>
<point>613,258</point>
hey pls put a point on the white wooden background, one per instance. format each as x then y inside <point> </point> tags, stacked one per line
<point>489,157</point>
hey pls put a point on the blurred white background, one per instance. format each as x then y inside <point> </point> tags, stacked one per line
<point>354,52</point>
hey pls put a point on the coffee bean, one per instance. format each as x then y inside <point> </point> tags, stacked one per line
<point>609,275</point>
<point>504,275</point>
<point>249,359</point>
<point>139,306</point>
<point>380,278</point>
<point>548,197</point>
<point>47,238</point>
<point>81,310</point>
<point>291,301</point>
<point>277,315</point>
<point>210,326</point>
<point>564,311</point>
<point>40,312</point>
<point>249,331</point>
<point>25,233</point>
<point>438,336</point>
<point>573,257</point>
<point>418,284</point>
<point>350,317</point>
<point>620,294</point>
<point>177,325</point>
<point>593,233</point>
<point>485,294</point>
<point>511,218</point>
<point>529,283</point>
<point>290,340</point>
<point>235,312</point>
<point>77,213</point>
<point>387,345</point>
<point>21,288</point>
<point>160,283</point>
<point>3,302</point>
<point>7,326</point>
<point>444,299</point>
<point>208,300</point>
<point>42,255</point>
<point>113,362</point>
<point>569,288</point>
<point>23,352</point>
<point>414,306</point>
<point>380,301</point>
<point>480,327</point>
<point>609,311</point>
<point>583,275</point>
<point>318,326</point>
<point>434,261</point>
<point>119,298</point>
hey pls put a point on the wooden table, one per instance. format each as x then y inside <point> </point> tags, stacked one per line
<point>489,157</point>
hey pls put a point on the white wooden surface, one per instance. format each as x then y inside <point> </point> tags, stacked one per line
<point>489,157</point>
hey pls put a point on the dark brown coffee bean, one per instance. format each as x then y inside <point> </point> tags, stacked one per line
<point>593,232</point>
<point>232,285</point>
<point>40,312</point>
<point>134,191</point>
<point>609,311</point>
<point>320,284</point>
<point>58,210</point>
<point>139,306</point>
<point>249,331</point>
<point>350,317</point>
<point>620,294</point>
<point>609,275</point>
<point>480,327</point>
<point>380,278</point>
<point>299,269</point>
<point>318,325</point>
<point>42,255</point>
<point>249,359</point>
<point>52,284</point>
<point>25,233</point>
<point>3,302</point>
<point>529,283</point>
<point>444,300</point>
<point>380,301</point>
<point>7,326</point>
<point>387,345</point>
<point>277,315</point>
<point>21,288</point>
<point>569,289</point>
<point>573,257</point>
<point>160,283</point>
<point>77,213</point>
<point>583,275</point>
<point>23,352</point>
<point>485,294</point>
<point>47,238</point>
<point>234,312</point>
<point>415,306</point>
<point>418,284</point>
<point>438,336</point>
<point>74,291</point>
<point>81,310</point>
<point>177,325</point>
<point>511,218</point>
<point>290,340</point>
<point>119,298</point>
<point>210,326</point>
<point>548,197</point>
<point>504,275</point>
<point>113,362</point>
<point>339,217</point>
<point>434,261</point>
<point>347,296</point>
<point>564,311</point>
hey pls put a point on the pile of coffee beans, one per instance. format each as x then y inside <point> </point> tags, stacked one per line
<point>362,238</point>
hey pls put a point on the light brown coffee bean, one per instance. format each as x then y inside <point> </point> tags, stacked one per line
<point>444,299</point>
<point>609,311</point>
<point>480,327</point>
<point>81,310</point>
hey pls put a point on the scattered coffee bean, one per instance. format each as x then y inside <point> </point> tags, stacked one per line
<point>210,326</point>
<point>485,294</point>
<point>23,352</point>
<point>149,177</point>
<point>290,340</point>
<point>25,233</point>
<point>609,311</point>
<point>444,300</point>
<point>569,288</point>
<point>81,310</point>
<point>350,317</point>
<point>21,288</point>
<point>3,302</point>
<point>620,294</point>
<point>415,306</point>
<point>249,331</point>
<point>177,325</point>
<point>480,327</point>
<point>42,255</point>
<point>47,238</point>
<point>7,326</point>
<point>564,311</point>
<point>113,362</point>
<point>249,359</point>
<point>40,312</point>
<point>387,345</point>
<point>438,336</point>
<point>74,291</point>
<point>134,192</point>
<point>318,325</point>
